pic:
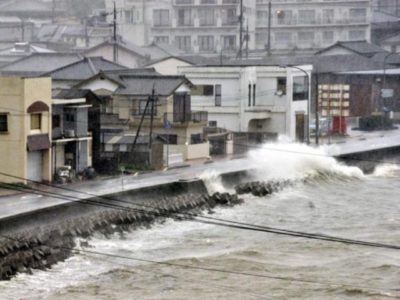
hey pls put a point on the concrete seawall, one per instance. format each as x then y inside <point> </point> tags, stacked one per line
<point>41,238</point>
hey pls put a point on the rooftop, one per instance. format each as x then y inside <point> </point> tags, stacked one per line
<point>83,69</point>
<point>39,63</point>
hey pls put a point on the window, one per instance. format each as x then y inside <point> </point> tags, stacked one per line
<point>206,17</point>
<point>206,42</point>
<point>307,16</point>
<point>305,37</point>
<point>300,88</point>
<point>171,139</point>
<point>3,122</point>
<point>328,16</point>
<point>183,42</point>
<point>262,15</point>
<point>161,17</point>
<point>69,117</point>
<point>182,107</point>
<point>212,123</point>
<point>130,16</point>
<point>203,90</point>
<point>249,95</point>
<point>284,17</point>
<point>229,16</point>
<point>208,1</point>
<point>161,39</point>
<point>358,15</point>
<point>55,121</point>
<point>36,121</point>
<point>281,85</point>
<point>185,17</point>
<point>327,37</point>
<point>283,37</point>
<point>218,95</point>
<point>356,35</point>
<point>184,1</point>
<point>196,138</point>
<point>142,107</point>
<point>254,95</point>
<point>229,42</point>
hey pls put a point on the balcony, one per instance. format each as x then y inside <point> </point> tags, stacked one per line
<point>184,118</point>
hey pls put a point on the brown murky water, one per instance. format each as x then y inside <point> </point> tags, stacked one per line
<point>357,207</point>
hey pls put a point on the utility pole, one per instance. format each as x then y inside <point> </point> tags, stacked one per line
<point>247,40</point>
<point>240,54</point>
<point>86,33</point>
<point>150,100</point>
<point>53,8</point>
<point>115,56</point>
<point>269,28</point>
<point>23,30</point>
<point>316,109</point>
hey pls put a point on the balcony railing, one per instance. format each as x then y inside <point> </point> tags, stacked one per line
<point>193,116</point>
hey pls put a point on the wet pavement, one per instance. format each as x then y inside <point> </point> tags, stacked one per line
<point>19,203</point>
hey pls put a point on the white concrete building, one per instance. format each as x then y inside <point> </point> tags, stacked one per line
<point>268,99</point>
<point>212,27</point>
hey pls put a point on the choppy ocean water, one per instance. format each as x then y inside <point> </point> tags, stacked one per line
<point>334,200</point>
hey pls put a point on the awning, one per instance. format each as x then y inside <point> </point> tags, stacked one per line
<point>38,142</point>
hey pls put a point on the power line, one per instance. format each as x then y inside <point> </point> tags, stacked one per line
<point>222,222</point>
<point>208,269</point>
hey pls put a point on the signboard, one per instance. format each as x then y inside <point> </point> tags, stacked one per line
<point>167,124</point>
<point>334,100</point>
<point>387,93</point>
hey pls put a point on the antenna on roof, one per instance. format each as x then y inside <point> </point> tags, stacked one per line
<point>115,54</point>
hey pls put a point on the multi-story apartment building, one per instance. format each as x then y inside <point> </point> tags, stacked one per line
<point>212,26</point>
<point>312,24</point>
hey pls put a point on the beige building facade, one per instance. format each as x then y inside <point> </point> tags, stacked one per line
<point>25,129</point>
<point>212,27</point>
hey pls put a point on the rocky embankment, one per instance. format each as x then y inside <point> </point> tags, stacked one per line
<point>45,245</point>
<point>262,188</point>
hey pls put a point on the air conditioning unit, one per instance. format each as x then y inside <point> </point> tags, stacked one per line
<point>70,133</point>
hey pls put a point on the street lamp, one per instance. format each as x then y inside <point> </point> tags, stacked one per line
<point>308,98</point>
<point>383,90</point>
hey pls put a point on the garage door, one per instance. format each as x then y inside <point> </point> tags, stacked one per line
<point>35,165</point>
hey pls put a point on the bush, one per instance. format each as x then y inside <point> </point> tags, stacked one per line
<point>375,122</point>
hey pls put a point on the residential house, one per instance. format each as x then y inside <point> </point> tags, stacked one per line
<point>125,96</point>
<point>71,139</point>
<point>73,36</point>
<point>20,50</point>
<point>126,54</point>
<point>169,65</point>
<point>25,129</point>
<point>39,63</point>
<point>71,74</point>
<point>14,29</point>
<point>257,100</point>
<point>36,11</point>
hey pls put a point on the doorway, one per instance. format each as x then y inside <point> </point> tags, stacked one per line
<point>300,127</point>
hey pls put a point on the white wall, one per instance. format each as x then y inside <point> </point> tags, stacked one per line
<point>168,66</point>
<point>273,113</point>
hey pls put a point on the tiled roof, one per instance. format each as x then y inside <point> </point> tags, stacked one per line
<point>83,69</point>
<point>123,45</point>
<point>70,93</point>
<point>39,63</point>
<point>142,85</point>
<point>359,47</point>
